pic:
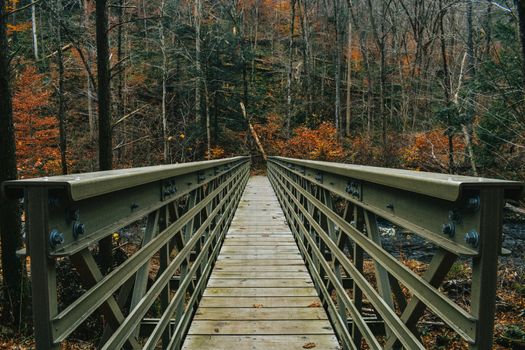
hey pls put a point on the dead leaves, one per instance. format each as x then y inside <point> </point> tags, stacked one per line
<point>309,345</point>
<point>258,306</point>
<point>315,304</point>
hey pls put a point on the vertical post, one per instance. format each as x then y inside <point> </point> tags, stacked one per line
<point>359,264</point>
<point>485,266</point>
<point>43,272</point>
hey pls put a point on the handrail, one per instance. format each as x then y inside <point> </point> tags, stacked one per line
<point>334,208</point>
<point>188,208</point>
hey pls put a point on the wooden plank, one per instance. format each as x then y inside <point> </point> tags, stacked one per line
<point>282,302</point>
<point>259,244</point>
<point>259,283</point>
<point>260,342</point>
<point>255,256</point>
<point>261,327</point>
<point>259,268</point>
<point>259,313</point>
<point>250,249</point>
<point>268,239</point>
<point>260,294</point>
<point>268,262</point>
<point>260,274</point>
<point>263,292</point>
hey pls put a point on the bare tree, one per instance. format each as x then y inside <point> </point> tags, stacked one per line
<point>289,68</point>
<point>105,154</point>
<point>9,213</point>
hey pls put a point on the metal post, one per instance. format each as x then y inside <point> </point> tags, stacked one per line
<point>43,272</point>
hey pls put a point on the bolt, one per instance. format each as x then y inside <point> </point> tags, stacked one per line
<point>134,206</point>
<point>390,206</point>
<point>78,229</point>
<point>449,229</point>
<point>56,238</point>
<point>473,203</point>
<point>472,238</point>
<point>350,188</point>
<point>454,216</point>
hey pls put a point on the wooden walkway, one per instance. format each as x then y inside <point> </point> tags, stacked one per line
<point>260,295</point>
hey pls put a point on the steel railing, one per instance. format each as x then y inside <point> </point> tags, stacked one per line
<point>188,209</point>
<point>333,211</point>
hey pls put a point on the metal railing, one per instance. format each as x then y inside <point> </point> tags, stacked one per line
<point>333,211</point>
<point>188,209</point>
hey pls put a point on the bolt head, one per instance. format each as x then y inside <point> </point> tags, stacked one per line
<point>79,229</point>
<point>472,238</point>
<point>473,203</point>
<point>56,238</point>
<point>449,229</point>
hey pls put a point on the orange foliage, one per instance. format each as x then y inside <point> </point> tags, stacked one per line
<point>429,151</point>
<point>354,54</point>
<point>320,143</point>
<point>36,133</point>
<point>217,152</point>
<point>19,27</point>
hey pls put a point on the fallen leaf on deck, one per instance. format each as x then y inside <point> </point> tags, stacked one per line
<point>315,304</point>
<point>258,306</point>
<point>310,345</point>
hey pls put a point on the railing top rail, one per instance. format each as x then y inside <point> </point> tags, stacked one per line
<point>87,185</point>
<point>444,186</point>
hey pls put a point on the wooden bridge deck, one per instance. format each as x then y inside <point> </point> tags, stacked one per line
<point>260,295</point>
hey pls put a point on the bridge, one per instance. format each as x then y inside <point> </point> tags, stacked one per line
<point>291,260</point>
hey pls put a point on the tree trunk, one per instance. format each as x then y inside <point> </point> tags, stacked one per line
<point>208,126</point>
<point>34,32</point>
<point>349,78</point>
<point>164,69</point>
<point>253,132</point>
<point>290,67</point>
<point>521,14</point>
<point>307,59</point>
<point>89,83</point>
<point>61,99</point>
<point>337,62</point>
<point>10,230</point>
<point>198,78</point>
<point>120,75</point>
<point>471,73</point>
<point>447,90</point>
<point>105,154</point>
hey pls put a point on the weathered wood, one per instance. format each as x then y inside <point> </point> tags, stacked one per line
<point>260,342</point>
<point>228,327</point>
<point>260,274</point>
<point>263,292</point>
<point>281,302</point>
<point>259,283</point>
<point>260,294</point>
<point>260,313</point>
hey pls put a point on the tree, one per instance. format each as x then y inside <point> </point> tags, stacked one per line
<point>9,213</point>
<point>521,16</point>
<point>105,151</point>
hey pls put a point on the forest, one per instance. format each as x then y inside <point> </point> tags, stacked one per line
<point>89,85</point>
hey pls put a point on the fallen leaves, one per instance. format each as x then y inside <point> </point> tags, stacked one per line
<point>309,345</point>
<point>258,306</point>
<point>316,303</point>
